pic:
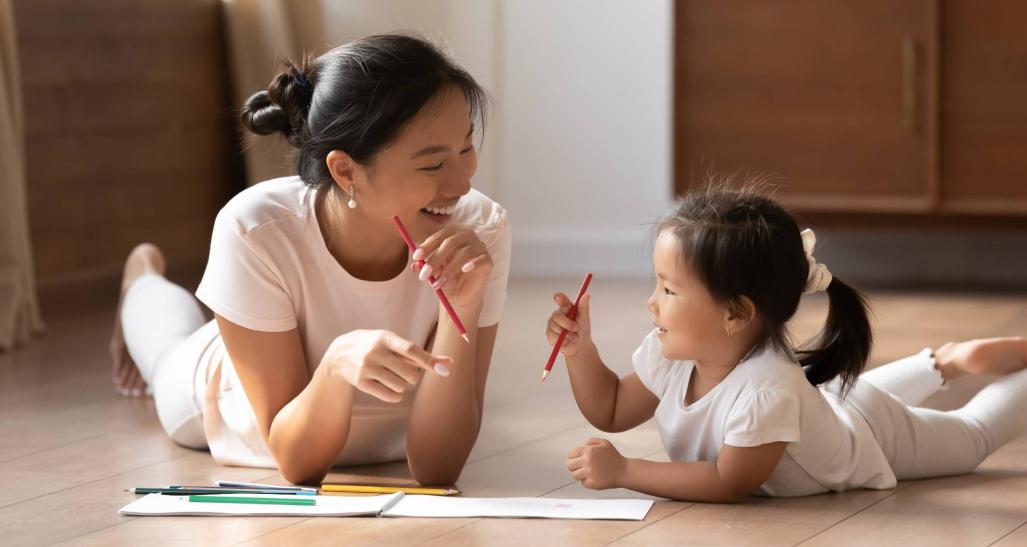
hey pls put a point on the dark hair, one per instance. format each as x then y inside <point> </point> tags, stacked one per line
<point>739,242</point>
<point>355,98</point>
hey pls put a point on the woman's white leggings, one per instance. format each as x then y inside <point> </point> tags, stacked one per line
<point>922,442</point>
<point>168,338</point>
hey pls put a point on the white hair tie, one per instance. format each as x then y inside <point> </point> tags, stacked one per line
<point>819,276</point>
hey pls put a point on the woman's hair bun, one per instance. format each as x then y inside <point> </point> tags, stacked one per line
<point>283,106</point>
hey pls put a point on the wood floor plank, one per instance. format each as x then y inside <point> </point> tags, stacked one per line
<point>1016,538</point>
<point>85,461</point>
<point>52,427</point>
<point>88,512</point>
<point>515,532</point>
<point>757,521</point>
<point>359,531</point>
<point>975,509</point>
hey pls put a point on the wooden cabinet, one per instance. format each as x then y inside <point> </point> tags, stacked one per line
<point>861,106</point>
<point>983,115</point>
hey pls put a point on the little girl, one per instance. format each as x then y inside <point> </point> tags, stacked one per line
<point>737,409</point>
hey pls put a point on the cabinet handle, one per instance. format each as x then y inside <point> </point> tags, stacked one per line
<point>908,93</point>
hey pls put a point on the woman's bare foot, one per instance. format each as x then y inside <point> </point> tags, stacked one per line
<point>998,356</point>
<point>145,258</point>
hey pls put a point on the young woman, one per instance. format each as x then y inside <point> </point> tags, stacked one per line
<point>328,346</point>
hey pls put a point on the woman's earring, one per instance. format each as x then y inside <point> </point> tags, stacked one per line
<point>352,203</point>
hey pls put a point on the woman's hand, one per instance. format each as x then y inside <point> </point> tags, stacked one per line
<point>579,329</point>
<point>381,363</point>
<point>460,263</point>
<point>597,464</point>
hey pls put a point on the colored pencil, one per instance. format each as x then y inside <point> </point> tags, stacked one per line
<point>571,314</point>
<point>431,279</point>
<point>268,489</point>
<point>360,489</point>
<point>263,501</point>
<point>236,484</point>
<point>212,490</point>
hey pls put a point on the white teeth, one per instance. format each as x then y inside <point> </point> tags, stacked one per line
<point>445,211</point>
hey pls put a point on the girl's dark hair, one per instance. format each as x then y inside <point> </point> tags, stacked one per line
<point>355,98</point>
<point>742,243</point>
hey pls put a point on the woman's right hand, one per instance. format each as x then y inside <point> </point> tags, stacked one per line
<point>381,363</point>
<point>579,329</point>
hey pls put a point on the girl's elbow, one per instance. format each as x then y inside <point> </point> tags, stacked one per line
<point>733,493</point>
<point>605,425</point>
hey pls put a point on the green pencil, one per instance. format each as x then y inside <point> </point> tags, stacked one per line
<point>241,499</point>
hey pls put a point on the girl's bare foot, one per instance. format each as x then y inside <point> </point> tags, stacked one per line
<point>998,356</point>
<point>145,258</point>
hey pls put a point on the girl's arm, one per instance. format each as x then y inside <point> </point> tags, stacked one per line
<point>305,418</point>
<point>737,473</point>
<point>609,403</point>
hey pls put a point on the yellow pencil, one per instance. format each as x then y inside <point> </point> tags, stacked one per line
<point>359,489</point>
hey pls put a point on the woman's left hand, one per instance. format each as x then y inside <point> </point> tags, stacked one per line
<point>459,262</point>
<point>597,464</point>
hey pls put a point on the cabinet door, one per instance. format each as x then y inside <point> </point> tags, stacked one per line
<point>832,98</point>
<point>984,107</point>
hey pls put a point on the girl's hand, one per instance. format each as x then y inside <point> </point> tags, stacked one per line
<point>460,263</point>
<point>579,329</point>
<point>381,363</point>
<point>598,465</point>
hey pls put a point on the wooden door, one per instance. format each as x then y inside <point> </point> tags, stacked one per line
<point>833,98</point>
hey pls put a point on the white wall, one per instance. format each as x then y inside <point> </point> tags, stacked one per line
<point>578,149</point>
<point>585,151</point>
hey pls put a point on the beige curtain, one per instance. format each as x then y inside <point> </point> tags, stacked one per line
<point>260,32</point>
<point>19,309</point>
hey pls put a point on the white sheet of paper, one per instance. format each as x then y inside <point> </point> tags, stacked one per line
<point>327,506</point>
<point>400,505</point>
<point>550,508</point>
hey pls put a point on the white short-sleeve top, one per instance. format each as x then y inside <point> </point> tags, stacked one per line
<point>270,270</point>
<point>765,399</point>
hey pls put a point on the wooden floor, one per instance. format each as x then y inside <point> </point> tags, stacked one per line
<point>69,446</point>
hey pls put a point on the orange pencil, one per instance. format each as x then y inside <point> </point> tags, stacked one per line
<point>563,332</point>
<point>438,292</point>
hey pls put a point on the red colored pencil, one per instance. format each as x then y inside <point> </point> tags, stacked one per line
<point>438,292</point>
<point>563,332</point>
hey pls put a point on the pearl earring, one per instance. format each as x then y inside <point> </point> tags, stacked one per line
<point>352,203</point>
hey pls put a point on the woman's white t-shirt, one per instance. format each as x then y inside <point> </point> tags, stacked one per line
<point>765,399</point>
<point>270,270</point>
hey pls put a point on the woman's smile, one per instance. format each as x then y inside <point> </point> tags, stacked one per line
<point>440,215</point>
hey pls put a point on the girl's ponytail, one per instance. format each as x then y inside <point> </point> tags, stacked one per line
<point>843,346</point>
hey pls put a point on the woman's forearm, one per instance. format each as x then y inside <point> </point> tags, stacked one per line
<point>594,387</point>
<point>310,431</point>
<point>446,413</point>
